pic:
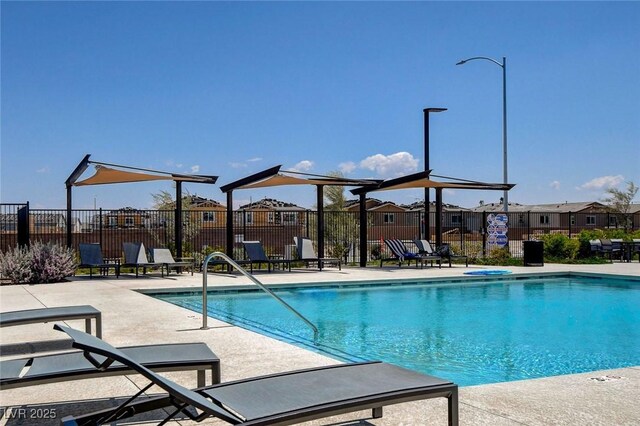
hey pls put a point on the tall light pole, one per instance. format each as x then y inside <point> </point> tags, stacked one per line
<point>503,65</point>
<point>427,201</point>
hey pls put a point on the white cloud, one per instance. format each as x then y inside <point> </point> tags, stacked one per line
<point>555,184</point>
<point>179,165</point>
<point>347,167</point>
<point>253,160</point>
<point>195,169</point>
<point>43,170</point>
<point>303,166</point>
<point>237,165</point>
<point>394,165</point>
<point>603,182</point>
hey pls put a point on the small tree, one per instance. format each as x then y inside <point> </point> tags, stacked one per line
<point>164,200</point>
<point>619,202</point>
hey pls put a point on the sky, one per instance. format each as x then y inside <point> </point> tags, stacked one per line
<point>230,89</point>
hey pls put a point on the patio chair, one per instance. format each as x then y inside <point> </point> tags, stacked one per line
<point>67,366</point>
<point>609,250</point>
<point>91,257</point>
<point>401,253</point>
<point>307,254</point>
<point>596,247</point>
<point>256,254</point>
<point>426,250</point>
<point>635,249</point>
<point>164,257</point>
<point>284,398</point>
<point>446,252</point>
<point>135,256</point>
<point>59,313</point>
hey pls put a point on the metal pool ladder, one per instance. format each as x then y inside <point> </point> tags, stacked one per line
<point>254,280</point>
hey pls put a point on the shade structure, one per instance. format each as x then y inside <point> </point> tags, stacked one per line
<point>420,180</point>
<point>274,177</point>
<point>126,174</point>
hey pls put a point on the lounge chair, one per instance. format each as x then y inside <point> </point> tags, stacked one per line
<point>164,257</point>
<point>91,257</point>
<point>609,250</point>
<point>445,251</point>
<point>401,253</point>
<point>307,254</point>
<point>60,313</point>
<point>635,249</point>
<point>135,256</point>
<point>284,398</point>
<point>68,366</point>
<point>256,254</point>
<point>596,247</point>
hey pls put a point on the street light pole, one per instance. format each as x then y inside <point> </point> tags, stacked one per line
<point>503,65</point>
<point>427,201</point>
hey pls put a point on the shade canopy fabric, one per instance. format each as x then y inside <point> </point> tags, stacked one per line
<point>106,175</point>
<point>281,179</point>
<point>428,183</point>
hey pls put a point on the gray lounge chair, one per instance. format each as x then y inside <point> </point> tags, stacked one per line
<point>91,257</point>
<point>256,254</point>
<point>445,251</point>
<point>59,313</point>
<point>401,253</point>
<point>74,366</point>
<point>278,399</point>
<point>307,254</point>
<point>164,257</point>
<point>135,256</point>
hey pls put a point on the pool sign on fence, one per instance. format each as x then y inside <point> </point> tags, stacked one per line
<point>497,229</point>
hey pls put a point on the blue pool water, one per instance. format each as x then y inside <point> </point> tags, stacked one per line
<point>471,333</point>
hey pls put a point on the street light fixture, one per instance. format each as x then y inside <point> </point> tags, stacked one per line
<point>503,65</point>
<point>427,201</point>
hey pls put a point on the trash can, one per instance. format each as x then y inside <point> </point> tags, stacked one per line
<point>533,253</point>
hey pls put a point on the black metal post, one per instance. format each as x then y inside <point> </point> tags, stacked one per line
<point>438,217</point>
<point>483,227</point>
<point>178,218</point>
<point>320,202</point>
<point>100,228</point>
<point>363,230</point>
<point>24,231</point>
<point>229,248</point>
<point>69,216</point>
<point>427,201</point>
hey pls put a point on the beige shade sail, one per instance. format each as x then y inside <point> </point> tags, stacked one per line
<point>428,183</point>
<point>105,175</point>
<point>280,179</point>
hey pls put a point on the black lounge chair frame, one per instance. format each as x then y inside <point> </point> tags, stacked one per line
<point>164,257</point>
<point>401,253</point>
<point>67,366</point>
<point>307,254</point>
<point>256,254</point>
<point>59,313</point>
<point>277,399</point>
<point>91,257</point>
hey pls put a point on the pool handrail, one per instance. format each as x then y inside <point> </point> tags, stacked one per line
<point>244,272</point>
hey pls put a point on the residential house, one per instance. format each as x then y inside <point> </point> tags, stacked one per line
<point>270,212</point>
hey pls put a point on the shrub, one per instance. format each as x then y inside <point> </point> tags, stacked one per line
<point>40,263</point>
<point>15,265</point>
<point>559,247</point>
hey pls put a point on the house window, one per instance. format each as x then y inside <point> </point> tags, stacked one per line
<point>591,220</point>
<point>113,222</point>
<point>544,219</point>
<point>270,217</point>
<point>208,217</point>
<point>456,219</point>
<point>573,220</point>
<point>248,217</point>
<point>613,221</point>
<point>389,218</point>
<point>129,222</point>
<point>289,218</point>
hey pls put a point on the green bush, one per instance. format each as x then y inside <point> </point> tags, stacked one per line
<point>560,247</point>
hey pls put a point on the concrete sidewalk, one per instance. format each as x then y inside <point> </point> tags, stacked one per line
<point>131,318</point>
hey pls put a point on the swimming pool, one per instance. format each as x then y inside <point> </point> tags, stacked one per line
<point>472,331</point>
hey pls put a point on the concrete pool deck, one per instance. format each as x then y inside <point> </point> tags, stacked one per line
<point>131,318</point>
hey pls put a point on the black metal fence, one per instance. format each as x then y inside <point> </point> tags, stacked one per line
<point>205,230</point>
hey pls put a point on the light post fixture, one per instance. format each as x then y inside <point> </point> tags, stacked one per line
<point>503,65</point>
<point>427,201</point>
